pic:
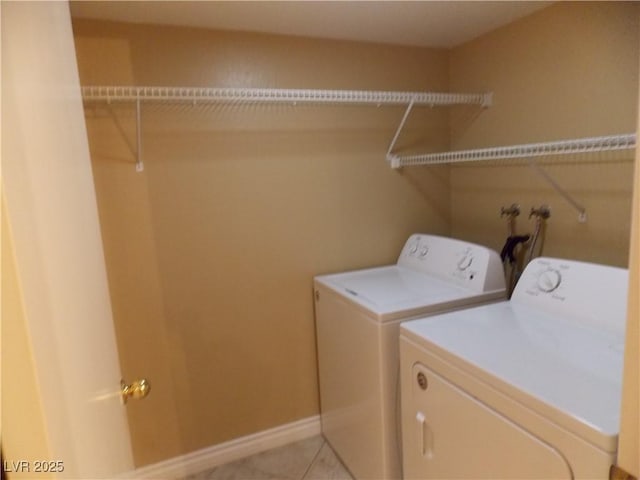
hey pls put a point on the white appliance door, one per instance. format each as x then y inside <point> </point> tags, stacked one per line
<point>449,434</point>
<point>53,217</point>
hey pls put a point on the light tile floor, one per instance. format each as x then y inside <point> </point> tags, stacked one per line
<point>309,459</point>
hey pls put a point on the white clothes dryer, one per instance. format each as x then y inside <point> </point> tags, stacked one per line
<point>526,388</point>
<point>357,322</point>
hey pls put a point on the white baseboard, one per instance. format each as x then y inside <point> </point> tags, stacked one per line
<point>210,457</point>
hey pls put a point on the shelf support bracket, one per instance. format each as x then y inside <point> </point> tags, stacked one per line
<point>139,164</point>
<point>395,160</point>
<point>391,158</point>
<point>582,211</point>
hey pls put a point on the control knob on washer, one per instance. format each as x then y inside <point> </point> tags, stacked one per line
<point>413,248</point>
<point>465,262</point>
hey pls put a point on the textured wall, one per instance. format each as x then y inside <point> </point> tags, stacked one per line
<point>212,249</point>
<point>568,71</point>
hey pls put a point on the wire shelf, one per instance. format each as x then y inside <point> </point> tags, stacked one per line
<point>271,95</point>
<point>529,151</point>
<point>562,147</point>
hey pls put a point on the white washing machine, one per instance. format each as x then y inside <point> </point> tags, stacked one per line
<point>526,388</point>
<point>357,321</point>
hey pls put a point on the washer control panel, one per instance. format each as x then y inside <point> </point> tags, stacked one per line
<point>576,289</point>
<point>417,246</point>
<point>462,263</point>
<point>466,259</point>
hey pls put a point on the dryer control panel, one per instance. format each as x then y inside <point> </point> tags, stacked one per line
<point>466,264</point>
<point>596,294</point>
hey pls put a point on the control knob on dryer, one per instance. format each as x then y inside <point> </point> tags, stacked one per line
<point>549,280</point>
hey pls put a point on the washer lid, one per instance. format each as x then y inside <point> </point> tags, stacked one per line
<point>392,291</point>
<point>569,372</point>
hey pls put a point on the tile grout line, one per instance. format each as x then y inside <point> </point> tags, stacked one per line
<point>313,460</point>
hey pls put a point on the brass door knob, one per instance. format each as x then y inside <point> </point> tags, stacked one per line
<point>136,390</point>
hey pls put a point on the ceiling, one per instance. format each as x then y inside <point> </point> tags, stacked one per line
<point>419,23</point>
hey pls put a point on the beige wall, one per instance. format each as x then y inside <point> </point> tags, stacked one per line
<point>568,71</point>
<point>211,251</point>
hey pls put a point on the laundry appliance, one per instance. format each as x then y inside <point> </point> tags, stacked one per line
<point>526,388</point>
<point>358,315</point>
